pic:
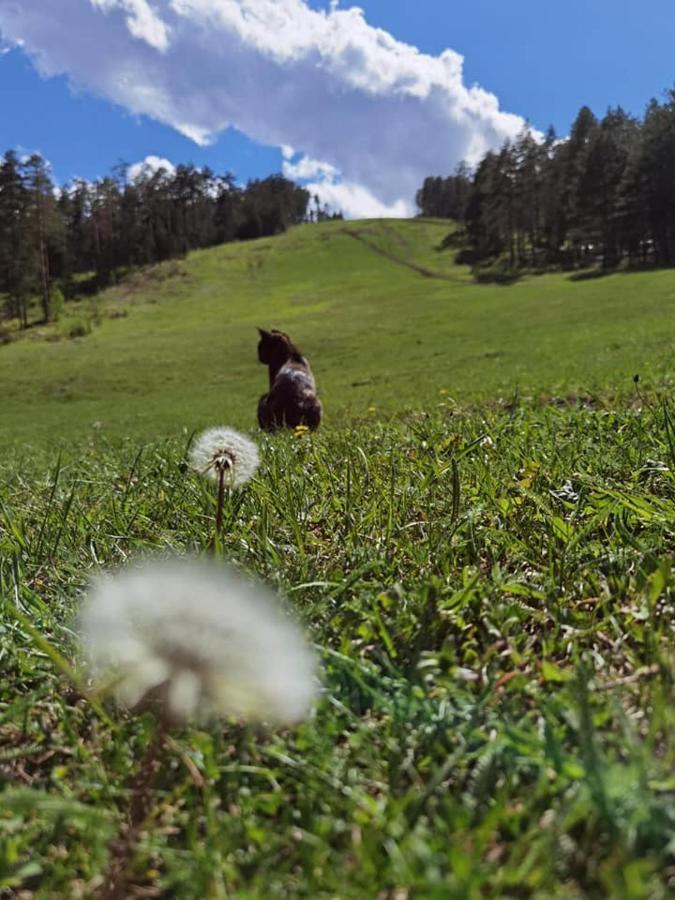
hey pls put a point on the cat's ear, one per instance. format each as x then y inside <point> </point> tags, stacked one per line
<point>264,334</point>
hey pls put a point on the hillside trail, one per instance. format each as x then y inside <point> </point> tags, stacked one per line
<point>392,257</point>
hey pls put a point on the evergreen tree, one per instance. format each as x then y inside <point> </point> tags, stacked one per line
<point>656,169</point>
<point>15,257</point>
<point>42,226</point>
<point>605,194</point>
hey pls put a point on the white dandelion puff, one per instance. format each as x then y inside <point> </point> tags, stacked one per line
<point>223,454</point>
<point>192,640</point>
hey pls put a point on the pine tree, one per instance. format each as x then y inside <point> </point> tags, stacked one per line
<point>43,224</point>
<point>16,261</point>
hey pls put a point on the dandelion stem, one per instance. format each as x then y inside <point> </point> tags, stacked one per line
<point>140,804</point>
<point>221,500</point>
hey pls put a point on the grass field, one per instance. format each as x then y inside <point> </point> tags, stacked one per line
<point>488,581</point>
<point>175,347</point>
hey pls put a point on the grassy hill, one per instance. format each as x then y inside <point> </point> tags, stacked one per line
<point>490,587</point>
<point>387,320</point>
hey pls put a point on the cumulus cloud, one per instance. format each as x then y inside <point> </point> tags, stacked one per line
<point>355,201</point>
<point>369,115</point>
<point>325,182</point>
<point>306,167</point>
<point>141,20</point>
<point>148,166</point>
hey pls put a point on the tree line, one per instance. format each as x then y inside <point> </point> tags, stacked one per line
<point>605,195</point>
<point>51,239</point>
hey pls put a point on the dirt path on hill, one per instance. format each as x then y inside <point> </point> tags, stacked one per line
<point>421,270</point>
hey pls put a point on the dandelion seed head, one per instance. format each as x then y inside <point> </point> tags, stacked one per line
<point>224,451</point>
<point>191,640</point>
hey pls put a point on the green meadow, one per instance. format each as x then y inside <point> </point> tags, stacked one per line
<point>478,541</point>
<point>175,346</point>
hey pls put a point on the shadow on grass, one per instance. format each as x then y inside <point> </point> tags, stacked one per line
<point>621,269</point>
<point>592,274</point>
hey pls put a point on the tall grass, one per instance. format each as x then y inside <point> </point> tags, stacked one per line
<point>492,599</point>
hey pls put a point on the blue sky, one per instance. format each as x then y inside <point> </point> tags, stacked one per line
<point>83,136</point>
<point>542,60</point>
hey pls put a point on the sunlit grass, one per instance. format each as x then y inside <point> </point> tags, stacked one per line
<point>491,595</point>
<point>174,346</point>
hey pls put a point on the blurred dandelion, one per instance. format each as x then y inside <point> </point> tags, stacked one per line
<point>300,430</point>
<point>226,457</point>
<point>188,639</point>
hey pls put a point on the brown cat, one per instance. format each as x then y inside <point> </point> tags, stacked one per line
<point>292,398</point>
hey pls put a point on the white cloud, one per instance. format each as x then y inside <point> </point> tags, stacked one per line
<point>353,200</point>
<point>142,21</point>
<point>356,202</point>
<point>349,97</point>
<point>306,167</point>
<point>148,166</point>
